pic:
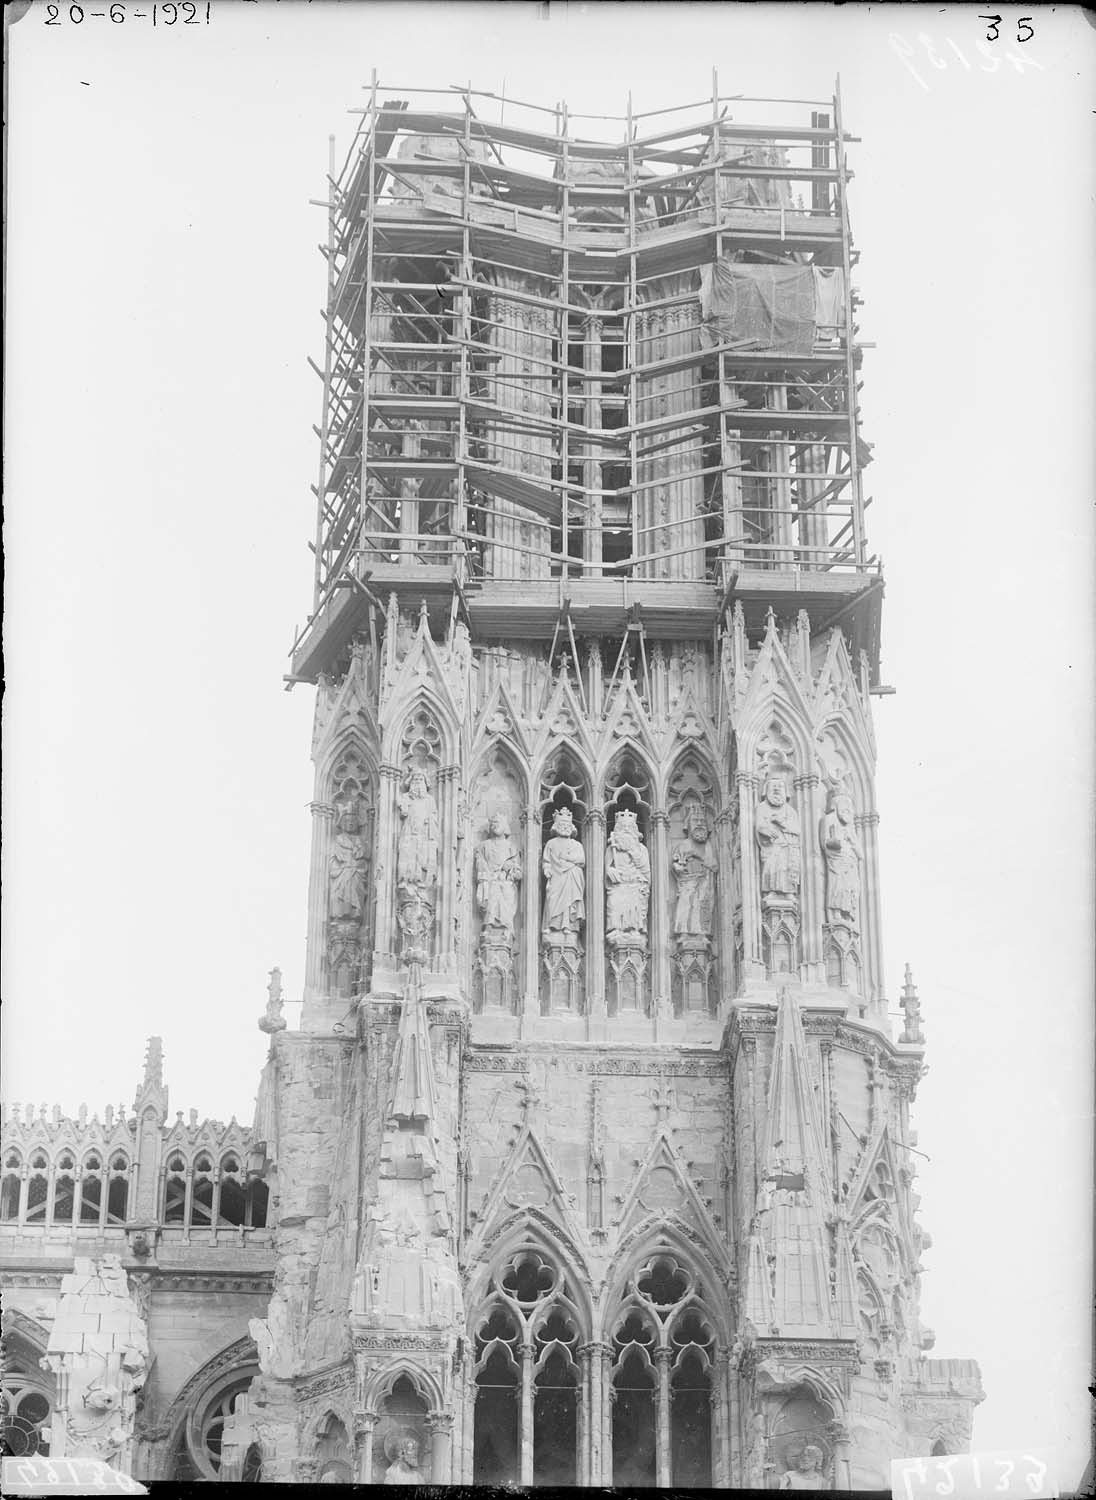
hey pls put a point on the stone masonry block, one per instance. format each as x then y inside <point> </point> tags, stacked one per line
<point>77,1322</point>
<point>119,1322</point>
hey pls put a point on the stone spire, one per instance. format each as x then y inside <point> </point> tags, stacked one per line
<point>407,1275</point>
<point>152,1092</point>
<point>788,1292</point>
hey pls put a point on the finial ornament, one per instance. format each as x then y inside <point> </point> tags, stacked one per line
<point>154,1063</point>
<point>911,1009</point>
<point>273,1020</point>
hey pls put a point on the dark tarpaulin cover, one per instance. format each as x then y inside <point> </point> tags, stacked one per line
<point>775,305</point>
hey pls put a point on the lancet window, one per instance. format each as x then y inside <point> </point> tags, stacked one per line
<point>91,1188</point>
<point>663,1348</point>
<point>10,1186</point>
<point>175,1190</point>
<point>38,1188</point>
<point>64,1189</point>
<point>527,1378</point>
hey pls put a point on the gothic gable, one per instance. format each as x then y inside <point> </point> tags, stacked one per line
<point>662,1193</point>
<point>528,1183</point>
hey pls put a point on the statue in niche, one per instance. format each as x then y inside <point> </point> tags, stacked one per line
<point>498,872</point>
<point>565,879</point>
<point>402,1451</point>
<point>842,852</point>
<point>693,866</point>
<point>806,1472</point>
<point>778,840</point>
<point>628,879</point>
<point>346,880</point>
<point>417,850</point>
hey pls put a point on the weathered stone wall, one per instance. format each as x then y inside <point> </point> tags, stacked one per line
<point>553,1091</point>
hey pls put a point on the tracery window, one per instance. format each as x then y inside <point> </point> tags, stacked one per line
<point>64,1189</point>
<point>91,1188</point>
<point>212,1426</point>
<point>38,1188</point>
<point>527,1377</point>
<point>201,1193</point>
<point>663,1346</point>
<point>208,1196</point>
<point>175,1189</point>
<point>64,1195</point>
<point>118,1188</point>
<point>25,1416</point>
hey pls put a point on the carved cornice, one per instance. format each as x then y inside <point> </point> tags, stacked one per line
<point>383,1015</point>
<point>323,1384</point>
<point>840,1356</point>
<point>212,1281</point>
<point>400,1343</point>
<point>604,1065</point>
<point>42,1279</point>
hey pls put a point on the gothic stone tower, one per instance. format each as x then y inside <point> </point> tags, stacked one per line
<point>592,1157</point>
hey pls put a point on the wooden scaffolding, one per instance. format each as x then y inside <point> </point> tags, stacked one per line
<point>592,374</point>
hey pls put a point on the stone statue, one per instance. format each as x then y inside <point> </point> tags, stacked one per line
<point>778,840</point>
<point>807,1473</point>
<point>842,852</point>
<point>402,1451</point>
<point>417,850</point>
<point>564,874</point>
<point>627,877</point>
<point>273,1020</point>
<point>346,866</point>
<point>498,872</point>
<point>693,866</point>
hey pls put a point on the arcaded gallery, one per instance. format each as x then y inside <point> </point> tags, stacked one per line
<point>591,1160</point>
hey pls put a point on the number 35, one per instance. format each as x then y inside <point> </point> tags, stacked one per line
<point>1022,25</point>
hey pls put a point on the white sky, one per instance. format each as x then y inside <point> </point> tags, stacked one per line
<point>163,290</point>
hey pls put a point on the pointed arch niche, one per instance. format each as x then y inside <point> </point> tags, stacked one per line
<point>569,887</point>
<point>666,1419</point>
<point>500,875</point>
<point>800,1421</point>
<point>782,819</point>
<point>333,1454</point>
<point>693,900</point>
<point>342,901</point>
<point>529,1376</point>
<point>627,810</point>
<point>403,1421</point>
<point>848,865</point>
